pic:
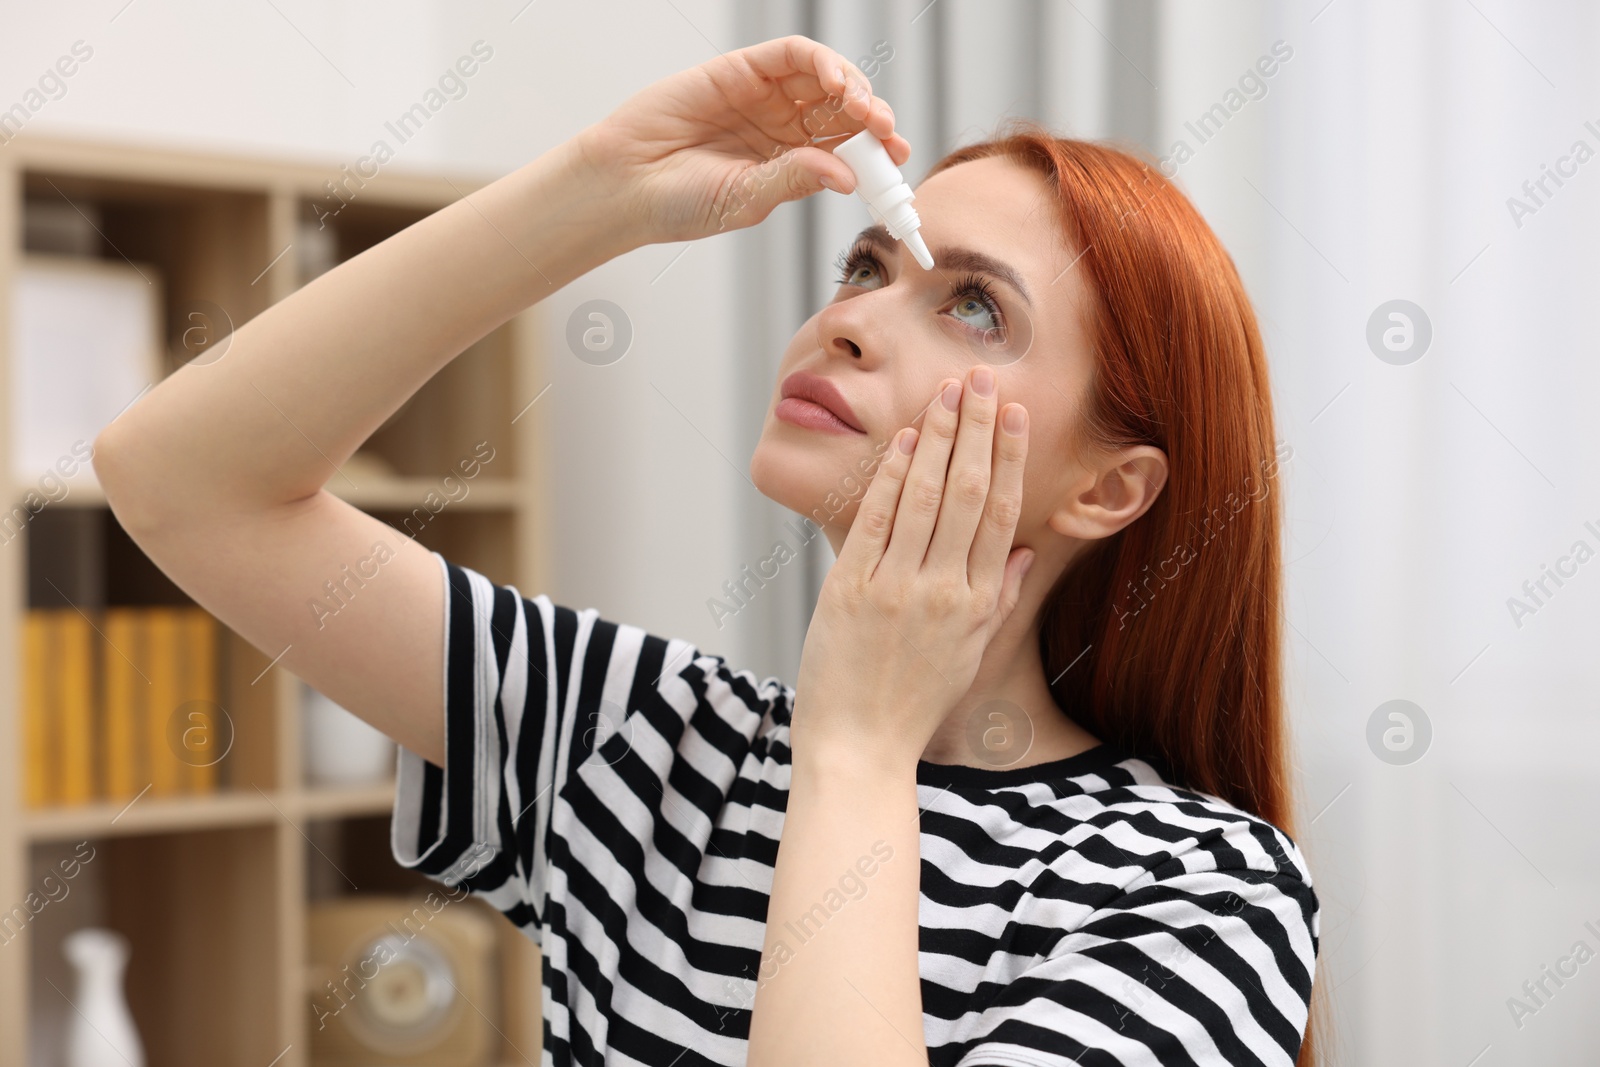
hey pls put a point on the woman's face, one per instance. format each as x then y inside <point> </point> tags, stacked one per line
<point>1003,291</point>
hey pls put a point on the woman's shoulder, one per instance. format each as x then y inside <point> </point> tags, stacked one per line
<point>1175,831</point>
<point>592,639</point>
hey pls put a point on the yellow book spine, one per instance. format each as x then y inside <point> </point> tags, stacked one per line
<point>123,702</point>
<point>38,670</point>
<point>167,770</point>
<point>200,686</point>
<point>76,707</point>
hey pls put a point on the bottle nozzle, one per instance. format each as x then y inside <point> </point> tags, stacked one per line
<point>919,249</point>
<point>886,194</point>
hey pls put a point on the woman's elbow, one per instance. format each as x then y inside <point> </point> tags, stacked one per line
<point>128,480</point>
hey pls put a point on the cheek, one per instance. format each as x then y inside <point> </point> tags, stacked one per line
<point>1049,472</point>
<point>1040,486</point>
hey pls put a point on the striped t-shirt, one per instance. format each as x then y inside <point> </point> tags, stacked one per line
<point>620,797</point>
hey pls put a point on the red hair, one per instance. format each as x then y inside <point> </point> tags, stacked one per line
<point>1164,639</point>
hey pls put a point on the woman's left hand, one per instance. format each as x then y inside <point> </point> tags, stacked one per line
<point>925,579</point>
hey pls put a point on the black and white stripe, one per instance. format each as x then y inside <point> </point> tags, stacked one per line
<point>1076,912</point>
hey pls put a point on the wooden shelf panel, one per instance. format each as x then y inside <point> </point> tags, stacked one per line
<point>403,494</point>
<point>139,163</point>
<point>230,808</point>
<point>387,494</point>
<point>326,803</point>
<point>147,815</point>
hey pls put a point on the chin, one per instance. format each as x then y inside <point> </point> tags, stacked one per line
<point>821,476</point>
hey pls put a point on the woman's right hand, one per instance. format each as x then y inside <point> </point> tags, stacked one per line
<point>718,146</point>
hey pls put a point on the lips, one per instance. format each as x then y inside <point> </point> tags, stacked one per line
<point>815,389</point>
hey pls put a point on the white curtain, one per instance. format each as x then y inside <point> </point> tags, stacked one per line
<point>1423,495</point>
<point>1373,164</point>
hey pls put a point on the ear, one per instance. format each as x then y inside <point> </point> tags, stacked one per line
<point>1112,494</point>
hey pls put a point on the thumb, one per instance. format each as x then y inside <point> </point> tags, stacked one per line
<point>795,174</point>
<point>1017,567</point>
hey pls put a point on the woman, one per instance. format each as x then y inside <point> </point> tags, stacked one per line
<point>1026,802</point>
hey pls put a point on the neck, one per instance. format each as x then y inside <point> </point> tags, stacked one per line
<point>1007,718</point>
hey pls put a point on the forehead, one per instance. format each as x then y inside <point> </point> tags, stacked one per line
<point>1001,208</point>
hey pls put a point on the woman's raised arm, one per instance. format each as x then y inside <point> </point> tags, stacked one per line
<point>218,472</point>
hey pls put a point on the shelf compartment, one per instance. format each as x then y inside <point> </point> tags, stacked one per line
<point>210,245</point>
<point>459,422</point>
<point>351,857</point>
<point>481,540</point>
<point>200,911</point>
<point>83,569</point>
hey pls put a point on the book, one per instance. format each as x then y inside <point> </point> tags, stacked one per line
<point>38,637</point>
<point>163,735</point>
<point>210,737</point>
<point>74,707</point>
<point>119,703</point>
<point>86,339</point>
<point>123,703</point>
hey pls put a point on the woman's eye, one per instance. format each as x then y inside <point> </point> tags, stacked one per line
<point>983,318</point>
<point>861,274</point>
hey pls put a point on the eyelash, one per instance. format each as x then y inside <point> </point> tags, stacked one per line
<point>967,285</point>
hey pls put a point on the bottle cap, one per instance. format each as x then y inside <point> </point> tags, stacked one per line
<point>886,194</point>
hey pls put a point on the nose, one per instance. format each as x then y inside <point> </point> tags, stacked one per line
<point>852,328</point>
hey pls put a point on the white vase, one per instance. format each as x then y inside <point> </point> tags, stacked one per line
<point>100,1030</point>
<point>341,749</point>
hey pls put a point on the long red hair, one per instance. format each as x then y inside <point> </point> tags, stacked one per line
<point>1164,639</point>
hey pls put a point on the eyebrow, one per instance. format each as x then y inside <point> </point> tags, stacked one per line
<point>956,257</point>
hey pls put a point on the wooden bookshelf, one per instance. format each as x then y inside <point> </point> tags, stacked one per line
<point>213,890</point>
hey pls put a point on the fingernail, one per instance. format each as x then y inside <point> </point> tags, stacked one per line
<point>1015,420</point>
<point>908,441</point>
<point>827,183</point>
<point>1028,563</point>
<point>952,396</point>
<point>983,381</point>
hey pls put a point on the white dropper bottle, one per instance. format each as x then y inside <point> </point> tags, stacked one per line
<point>884,191</point>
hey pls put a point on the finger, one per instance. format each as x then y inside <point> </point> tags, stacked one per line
<point>869,533</point>
<point>808,89</point>
<point>996,533</point>
<point>848,91</point>
<point>1017,566</point>
<point>794,174</point>
<point>844,116</point>
<point>796,54</point>
<point>832,94</point>
<point>966,488</point>
<point>880,120</point>
<point>919,501</point>
<point>806,70</point>
<point>899,149</point>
